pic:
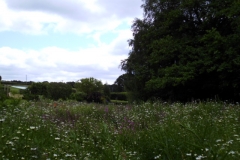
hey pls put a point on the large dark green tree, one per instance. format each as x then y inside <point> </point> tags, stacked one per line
<point>184,49</point>
<point>119,83</point>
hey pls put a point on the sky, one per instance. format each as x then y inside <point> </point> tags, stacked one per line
<point>65,40</point>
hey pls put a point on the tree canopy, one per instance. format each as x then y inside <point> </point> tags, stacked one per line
<point>184,49</point>
<point>92,87</point>
<point>53,90</point>
<point>89,85</point>
<point>119,83</point>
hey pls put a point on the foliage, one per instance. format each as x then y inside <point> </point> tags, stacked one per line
<point>89,85</point>
<point>11,102</point>
<point>119,83</point>
<point>73,130</point>
<point>78,96</point>
<point>96,97</point>
<point>3,94</point>
<point>106,91</point>
<point>72,84</point>
<point>52,90</point>
<point>87,89</point>
<point>39,88</point>
<point>58,91</point>
<point>185,49</point>
<point>93,88</point>
<point>119,96</point>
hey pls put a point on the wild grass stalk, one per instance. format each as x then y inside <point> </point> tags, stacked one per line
<point>72,130</point>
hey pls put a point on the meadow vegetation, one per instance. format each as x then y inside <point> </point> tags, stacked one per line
<point>180,51</point>
<point>48,129</point>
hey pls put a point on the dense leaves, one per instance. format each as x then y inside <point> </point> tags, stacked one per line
<point>93,88</point>
<point>89,85</point>
<point>59,91</point>
<point>3,94</point>
<point>34,90</point>
<point>119,83</point>
<point>122,96</point>
<point>184,50</point>
<point>86,89</point>
<point>52,90</point>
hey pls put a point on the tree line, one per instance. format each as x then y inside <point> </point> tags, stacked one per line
<point>183,50</point>
<point>86,89</point>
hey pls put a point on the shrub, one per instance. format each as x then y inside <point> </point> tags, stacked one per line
<point>80,96</point>
<point>52,91</point>
<point>11,102</point>
<point>58,91</point>
<point>96,97</point>
<point>119,96</point>
<point>3,95</point>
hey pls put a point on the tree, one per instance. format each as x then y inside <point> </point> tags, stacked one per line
<point>72,84</point>
<point>57,91</point>
<point>52,90</point>
<point>92,87</point>
<point>34,90</point>
<point>38,88</point>
<point>119,83</point>
<point>89,85</point>
<point>106,91</point>
<point>185,49</point>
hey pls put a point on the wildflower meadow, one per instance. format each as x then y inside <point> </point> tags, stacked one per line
<point>49,130</point>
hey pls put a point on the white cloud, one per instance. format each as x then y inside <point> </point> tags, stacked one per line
<point>90,18</point>
<point>57,64</point>
<point>78,16</point>
<point>35,22</point>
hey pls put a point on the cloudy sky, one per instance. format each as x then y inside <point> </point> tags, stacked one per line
<point>65,40</point>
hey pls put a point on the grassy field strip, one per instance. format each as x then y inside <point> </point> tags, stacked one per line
<point>72,130</point>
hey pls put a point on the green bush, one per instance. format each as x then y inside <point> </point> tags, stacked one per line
<point>3,95</point>
<point>58,91</point>
<point>79,96</point>
<point>38,88</point>
<point>11,102</point>
<point>52,91</point>
<point>96,97</point>
<point>28,96</point>
<point>119,96</point>
<point>21,91</point>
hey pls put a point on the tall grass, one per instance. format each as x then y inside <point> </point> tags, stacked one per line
<point>72,130</point>
<point>14,90</point>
